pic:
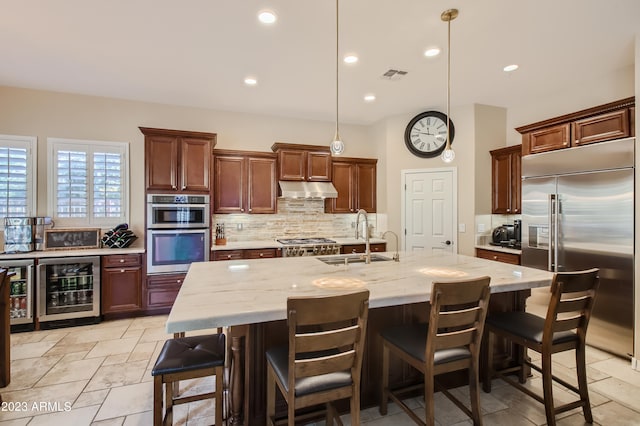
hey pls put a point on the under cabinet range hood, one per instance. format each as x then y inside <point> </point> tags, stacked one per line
<point>308,190</point>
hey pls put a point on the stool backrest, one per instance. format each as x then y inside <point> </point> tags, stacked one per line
<point>572,298</point>
<point>458,312</point>
<point>326,334</point>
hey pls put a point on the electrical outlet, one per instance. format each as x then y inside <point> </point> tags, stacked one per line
<point>462,227</point>
<point>481,227</point>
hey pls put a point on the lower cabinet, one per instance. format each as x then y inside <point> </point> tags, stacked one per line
<point>264,253</point>
<point>161,292</point>
<point>360,248</point>
<point>499,256</point>
<point>121,284</point>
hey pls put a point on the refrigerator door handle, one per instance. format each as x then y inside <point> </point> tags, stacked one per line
<point>552,233</point>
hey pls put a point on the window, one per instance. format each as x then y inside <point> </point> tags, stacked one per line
<point>88,183</point>
<point>17,175</point>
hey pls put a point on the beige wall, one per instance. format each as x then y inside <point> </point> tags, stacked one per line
<point>50,114</point>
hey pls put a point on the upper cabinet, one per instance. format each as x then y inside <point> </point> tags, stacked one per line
<point>602,123</point>
<point>355,180</point>
<point>311,163</point>
<point>244,182</point>
<point>506,181</point>
<point>178,161</point>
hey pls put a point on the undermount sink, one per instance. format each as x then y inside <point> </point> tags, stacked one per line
<point>352,258</point>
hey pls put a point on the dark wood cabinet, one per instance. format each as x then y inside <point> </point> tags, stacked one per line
<point>259,253</point>
<point>498,256</point>
<point>355,181</point>
<point>244,182</point>
<point>178,161</point>
<point>121,284</point>
<point>161,291</point>
<point>360,248</point>
<point>603,127</point>
<point>506,180</point>
<point>610,121</point>
<point>311,163</point>
<point>547,139</point>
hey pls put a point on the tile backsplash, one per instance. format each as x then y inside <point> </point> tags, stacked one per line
<point>294,218</point>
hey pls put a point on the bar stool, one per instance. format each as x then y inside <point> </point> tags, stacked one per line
<point>449,342</point>
<point>563,329</point>
<point>324,358</point>
<point>187,358</point>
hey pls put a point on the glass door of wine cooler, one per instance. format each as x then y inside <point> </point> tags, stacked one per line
<point>21,292</point>
<point>68,288</point>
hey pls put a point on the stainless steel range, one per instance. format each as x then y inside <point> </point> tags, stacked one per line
<point>308,247</point>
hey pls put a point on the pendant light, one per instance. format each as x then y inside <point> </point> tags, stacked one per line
<point>337,146</point>
<point>448,15</point>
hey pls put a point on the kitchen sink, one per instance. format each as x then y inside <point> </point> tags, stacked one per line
<point>352,258</point>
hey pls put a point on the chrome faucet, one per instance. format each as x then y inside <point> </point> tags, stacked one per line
<point>396,256</point>
<point>367,252</point>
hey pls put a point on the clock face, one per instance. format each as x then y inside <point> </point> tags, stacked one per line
<point>426,134</point>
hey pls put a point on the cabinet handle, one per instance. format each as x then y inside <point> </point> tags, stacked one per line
<point>495,257</point>
<point>261,254</point>
<point>353,251</point>
<point>179,281</point>
<point>184,187</point>
<point>173,187</point>
<point>250,210</point>
<point>122,271</point>
<point>241,210</point>
<point>228,256</point>
<point>508,210</point>
<point>121,260</point>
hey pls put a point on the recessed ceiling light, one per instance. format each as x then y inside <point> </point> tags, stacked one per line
<point>250,81</point>
<point>431,52</point>
<point>350,59</point>
<point>369,98</point>
<point>510,68</point>
<point>267,17</point>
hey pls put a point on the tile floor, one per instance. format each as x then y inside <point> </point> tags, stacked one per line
<point>101,375</point>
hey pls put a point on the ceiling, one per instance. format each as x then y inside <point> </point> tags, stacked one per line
<point>198,52</point>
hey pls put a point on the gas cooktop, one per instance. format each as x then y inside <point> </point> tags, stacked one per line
<point>304,241</point>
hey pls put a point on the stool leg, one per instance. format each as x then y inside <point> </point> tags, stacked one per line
<point>487,360</point>
<point>168,417</point>
<point>271,395</point>
<point>219,372</point>
<point>474,392</point>
<point>355,407</point>
<point>385,379</point>
<point>547,386</point>
<point>581,367</point>
<point>157,400</point>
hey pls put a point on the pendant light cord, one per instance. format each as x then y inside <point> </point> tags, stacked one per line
<point>337,66</point>
<point>448,83</point>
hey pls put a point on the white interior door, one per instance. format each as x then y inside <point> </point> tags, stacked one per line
<point>430,209</point>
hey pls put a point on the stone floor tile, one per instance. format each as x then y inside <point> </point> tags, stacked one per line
<point>81,416</point>
<point>30,350</point>
<point>126,400</point>
<point>117,421</point>
<point>71,371</point>
<point>141,419</point>
<point>91,398</point>
<point>110,376</point>
<point>618,390</point>
<point>55,397</point>
<point>25,372</point>
<point>113,347</point>
<point>613,413</point>
<point>16,422</point>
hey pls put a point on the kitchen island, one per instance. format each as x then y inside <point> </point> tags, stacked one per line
<point>249,297</point>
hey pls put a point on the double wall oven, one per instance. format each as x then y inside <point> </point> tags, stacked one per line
<point>177,232</point>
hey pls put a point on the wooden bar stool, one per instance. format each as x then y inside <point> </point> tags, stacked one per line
<point>188,358</point>
<point>563,329</point>
<point>450,342</point>
<point>323,360</point>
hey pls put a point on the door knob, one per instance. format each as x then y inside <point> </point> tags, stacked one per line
<point>447,243</point>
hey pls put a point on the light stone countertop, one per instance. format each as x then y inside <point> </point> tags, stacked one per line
<point>136,248</point>
<point>216,294</point>
<point>260,244</point>
<point>498,248</point>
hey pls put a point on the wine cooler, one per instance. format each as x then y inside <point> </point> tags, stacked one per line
<point>68,291</point>
<point>21,294</point>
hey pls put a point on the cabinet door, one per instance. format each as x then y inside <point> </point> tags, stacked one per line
<point>501,182</point>
<point>516,181</point>
<point>121,289</point>
<point>228,255</point>
<point>261,185</point>
<point>365,190</point>
<point>229,184</point>
<point>513,259</point>
<point>602,127</point>
<point>161,291</point>
<point>195,162</point>
<point>343,181</point>
<point>547,139</point>
<point>265,253</point>
<point>292,165</point>
<point>161,157</point>
<point>318,166</point>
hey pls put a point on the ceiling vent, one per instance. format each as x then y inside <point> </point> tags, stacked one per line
<point>394,74</point>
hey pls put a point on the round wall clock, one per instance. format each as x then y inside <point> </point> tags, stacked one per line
<point>426,134</point>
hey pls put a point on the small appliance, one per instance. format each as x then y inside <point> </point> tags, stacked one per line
<point>502,234</point>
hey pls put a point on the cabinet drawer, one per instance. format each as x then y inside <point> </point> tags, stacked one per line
<point>547,139</point>
<point>261,253</point>
<point>360,248</point>
<point>162,290</point>
<point>613,125</point>
<point>378,247</point>
<point>228,254</point>
<point>498,256</point>
<point>120,260</point>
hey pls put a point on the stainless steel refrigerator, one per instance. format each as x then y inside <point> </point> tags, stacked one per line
<point>578,213</point>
